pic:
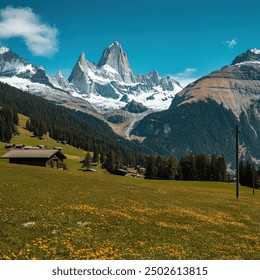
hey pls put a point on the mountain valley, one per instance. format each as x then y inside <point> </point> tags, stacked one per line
<point>152,109</point>
<point>96,89</point>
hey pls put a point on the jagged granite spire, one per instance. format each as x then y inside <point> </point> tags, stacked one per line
<point>115,57</point>
<point>62,81</point>
<point>79,75</point>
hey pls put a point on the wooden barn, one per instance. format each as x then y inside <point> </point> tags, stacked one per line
<point>48,157</point>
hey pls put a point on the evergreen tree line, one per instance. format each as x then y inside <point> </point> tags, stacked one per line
<point>77,128</point>
<point>249,175</point>
<point>191,167</point>
<point>111,162</point>
<point>8,120</point>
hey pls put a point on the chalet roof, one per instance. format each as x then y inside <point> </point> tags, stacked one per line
<point>9,145</point>
<point>47,153</point>
<point>122,170</point>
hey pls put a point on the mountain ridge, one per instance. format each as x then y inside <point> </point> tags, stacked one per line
<point>92,88</point>
<point>218,101</point>
<point>112,79</point>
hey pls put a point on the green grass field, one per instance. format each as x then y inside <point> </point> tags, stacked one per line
<point>72,214</point>
<point>80,215</point>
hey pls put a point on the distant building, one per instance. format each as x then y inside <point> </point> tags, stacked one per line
<point>141,170</point>
<point>48,157</point>
<point>121,172</point>
<point>9,146</point>
<point>19,146</point>
<point>41,146</point>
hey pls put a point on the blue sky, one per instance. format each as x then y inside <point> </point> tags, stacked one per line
<point>180,38</point>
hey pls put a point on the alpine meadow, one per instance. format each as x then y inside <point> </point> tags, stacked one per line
<point>74,214</point>
<point>130,131</point>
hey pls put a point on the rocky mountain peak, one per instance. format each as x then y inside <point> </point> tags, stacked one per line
<point>59,81</point>
<point>12,65</point>
<point>256,51</point>
<point>8,55</point>
<point>80,74</point>
<point>252,55</point>
<point>155,76</point>
<point>115,44</point>
<point>4,50</point>
<point>115,57</point>
<point>82,58</point>
<point>59,74</point>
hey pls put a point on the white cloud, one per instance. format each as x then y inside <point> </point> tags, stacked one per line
<point>186,77</point>
<point>40,38</point>
<point>232,43</point>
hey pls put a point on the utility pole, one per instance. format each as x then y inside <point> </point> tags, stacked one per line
<point>237,163</point>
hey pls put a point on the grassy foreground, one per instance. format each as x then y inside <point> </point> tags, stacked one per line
<point>54,214</point>
<point>72,214</point>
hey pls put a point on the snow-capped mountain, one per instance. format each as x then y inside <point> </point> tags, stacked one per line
<point>111,83</point>
<point>108,85</point>
<point>21,74</point>
<point>203,116</point>
<point>12,65</point>
<point>93,88</point>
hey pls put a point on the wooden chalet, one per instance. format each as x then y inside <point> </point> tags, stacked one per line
<point>41,157</point>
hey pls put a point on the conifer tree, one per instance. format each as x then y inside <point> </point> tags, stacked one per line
<point>102,158</point>
<point>202,165</point>
<point>187,164</point>
<point>95,156</point>
<point>8,132</point>
<point>151,170</point>
<point>87,160</point>
<point>110,162</point>
<point>172,170</point>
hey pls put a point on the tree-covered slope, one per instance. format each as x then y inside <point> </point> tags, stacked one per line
<point>187,129</point>
<point>77,128</point>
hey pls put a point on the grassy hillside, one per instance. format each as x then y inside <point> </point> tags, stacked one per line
<point>74,155</point>
<point>72,214</point>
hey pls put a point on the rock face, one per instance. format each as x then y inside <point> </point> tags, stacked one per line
<point>203,116</point>
<point>115,57</point>
<point>135,107</point>
<point>80,74</point>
